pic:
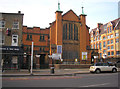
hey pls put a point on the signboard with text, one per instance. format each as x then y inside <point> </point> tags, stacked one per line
<point>84,55</point>
<point>59,49</point>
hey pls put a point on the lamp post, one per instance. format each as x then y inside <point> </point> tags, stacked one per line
<point>31,58</point>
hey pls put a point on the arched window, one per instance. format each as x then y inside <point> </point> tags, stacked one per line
<point>70,31</point>
<point>65,32</point>
<point>75,32</point>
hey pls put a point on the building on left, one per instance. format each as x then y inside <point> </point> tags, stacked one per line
<point>11,40</point>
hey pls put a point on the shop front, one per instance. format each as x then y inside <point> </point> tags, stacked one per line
<point>12,57</point>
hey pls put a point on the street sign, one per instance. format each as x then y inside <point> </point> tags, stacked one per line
<point>56,56</point>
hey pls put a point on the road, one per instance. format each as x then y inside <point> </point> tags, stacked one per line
<point>80,80</point>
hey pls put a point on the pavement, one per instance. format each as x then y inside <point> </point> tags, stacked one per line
<point>45,72</point>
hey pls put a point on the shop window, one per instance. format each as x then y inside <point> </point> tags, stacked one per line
<point>14,59</point>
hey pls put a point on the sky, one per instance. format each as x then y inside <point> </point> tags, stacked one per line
<point>42,12</point>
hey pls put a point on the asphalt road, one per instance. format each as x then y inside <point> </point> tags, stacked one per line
<point>80,80</point>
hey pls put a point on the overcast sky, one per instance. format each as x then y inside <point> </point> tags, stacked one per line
<point>42,12</point>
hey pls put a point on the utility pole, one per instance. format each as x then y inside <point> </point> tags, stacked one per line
<point>31,58</point>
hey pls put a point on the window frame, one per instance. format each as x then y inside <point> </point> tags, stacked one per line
<point>15,25</point>
<point>2,23</point>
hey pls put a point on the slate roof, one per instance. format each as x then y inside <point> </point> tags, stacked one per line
<point>115,23</point>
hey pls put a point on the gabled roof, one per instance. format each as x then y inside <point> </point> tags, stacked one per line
<point>115,23</point>
<point>71,14</point>
<point>68,12</point>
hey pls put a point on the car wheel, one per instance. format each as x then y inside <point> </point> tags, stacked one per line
<point>97,71</point>
<point>114,70</point>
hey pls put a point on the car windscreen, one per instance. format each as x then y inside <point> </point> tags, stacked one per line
<point>98,64</point>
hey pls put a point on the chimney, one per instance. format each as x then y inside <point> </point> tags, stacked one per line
<point>99,25</point>
<point>19,12</point>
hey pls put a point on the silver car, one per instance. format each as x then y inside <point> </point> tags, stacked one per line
<point>102,67</point>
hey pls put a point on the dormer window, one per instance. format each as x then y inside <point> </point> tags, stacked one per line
<point>108,30</point>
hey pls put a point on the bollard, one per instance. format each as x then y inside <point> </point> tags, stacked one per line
<point>52,70</point>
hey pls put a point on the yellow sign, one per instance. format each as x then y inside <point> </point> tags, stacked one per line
<point>84,55</point>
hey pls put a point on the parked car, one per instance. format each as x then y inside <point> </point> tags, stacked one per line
<point>103,67</point>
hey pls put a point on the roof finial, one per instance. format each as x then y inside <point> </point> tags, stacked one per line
<point>59,6</point>
<point>82,10</point>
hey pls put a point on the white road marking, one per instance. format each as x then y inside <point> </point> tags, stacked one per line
<point>96,85</point>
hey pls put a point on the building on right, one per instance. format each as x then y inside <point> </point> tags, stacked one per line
<point>106,38</point>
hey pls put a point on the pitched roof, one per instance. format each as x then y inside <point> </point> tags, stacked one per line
<point>68,12</point>
<point>115,23</point>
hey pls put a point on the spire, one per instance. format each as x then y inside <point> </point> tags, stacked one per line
<point>59,6</point>
<point>82,10</point>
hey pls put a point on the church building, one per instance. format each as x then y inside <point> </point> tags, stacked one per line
<point>69,37</point>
